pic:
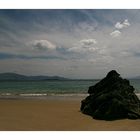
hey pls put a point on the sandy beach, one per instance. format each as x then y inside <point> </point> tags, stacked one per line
<point>54,114</point>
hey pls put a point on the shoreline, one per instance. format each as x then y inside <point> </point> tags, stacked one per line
<point>44,97</point>
<point>47,96</point>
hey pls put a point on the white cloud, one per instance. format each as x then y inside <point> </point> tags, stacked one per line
<point>126,23</point>
<point>81,49</point>
<point>121,25</point>
<point>75,49</point>
<point>115,33</point>
<point>43,45</point>
<point>88,42</point>
<point>85,45</point>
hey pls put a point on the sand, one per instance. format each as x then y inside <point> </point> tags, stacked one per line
<point>54,114</point>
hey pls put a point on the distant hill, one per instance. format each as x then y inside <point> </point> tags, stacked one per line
<point>137,77</point>
<point>19,77</point>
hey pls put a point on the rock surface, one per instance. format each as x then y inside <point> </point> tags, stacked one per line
<point>111,98</point>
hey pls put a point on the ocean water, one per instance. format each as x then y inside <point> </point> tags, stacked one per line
<point>52,87</point>
<point>46,87</point>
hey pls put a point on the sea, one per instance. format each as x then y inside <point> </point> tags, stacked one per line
<point>52,87</point>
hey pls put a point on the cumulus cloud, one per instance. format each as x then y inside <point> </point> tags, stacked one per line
<point>43,45</point>
<point>85,45</point>
<point>115,33</point>
<point>121,25</point>
<point>88,42</point>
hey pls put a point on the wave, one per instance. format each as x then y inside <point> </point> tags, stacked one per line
<point>43,95</point>
<point>54,94</point>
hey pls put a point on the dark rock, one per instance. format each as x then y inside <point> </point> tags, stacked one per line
<point>111,98</point>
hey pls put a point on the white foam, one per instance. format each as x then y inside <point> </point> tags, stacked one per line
<point>53,94</point>
<point>50,94</point>
<point>33,94</point>
<point>6,94</point>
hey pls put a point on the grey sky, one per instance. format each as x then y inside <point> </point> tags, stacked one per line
<point>70,43</point>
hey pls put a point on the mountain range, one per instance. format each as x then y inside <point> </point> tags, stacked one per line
<point>19,77</point>
<point>137,77</point>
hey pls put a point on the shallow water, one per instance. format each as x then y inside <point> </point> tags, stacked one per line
<point>52,87</point>
<point>48,87</point>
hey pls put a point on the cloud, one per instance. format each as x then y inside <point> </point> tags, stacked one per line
<point>121,25</point>
<point>81,49</point>
<point>88,42</point>
<point>62,38</point>
<point>43,45</point>
<point>85,45</point>
<point>115,33</point>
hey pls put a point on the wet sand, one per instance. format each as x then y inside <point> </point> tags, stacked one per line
<point>54,114</point>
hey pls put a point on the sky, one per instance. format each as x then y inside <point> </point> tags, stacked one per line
<point>78,43</point>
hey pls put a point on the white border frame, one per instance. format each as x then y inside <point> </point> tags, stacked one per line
<point>69,4</point>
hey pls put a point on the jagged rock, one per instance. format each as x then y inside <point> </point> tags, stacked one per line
<point>111,98</point>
